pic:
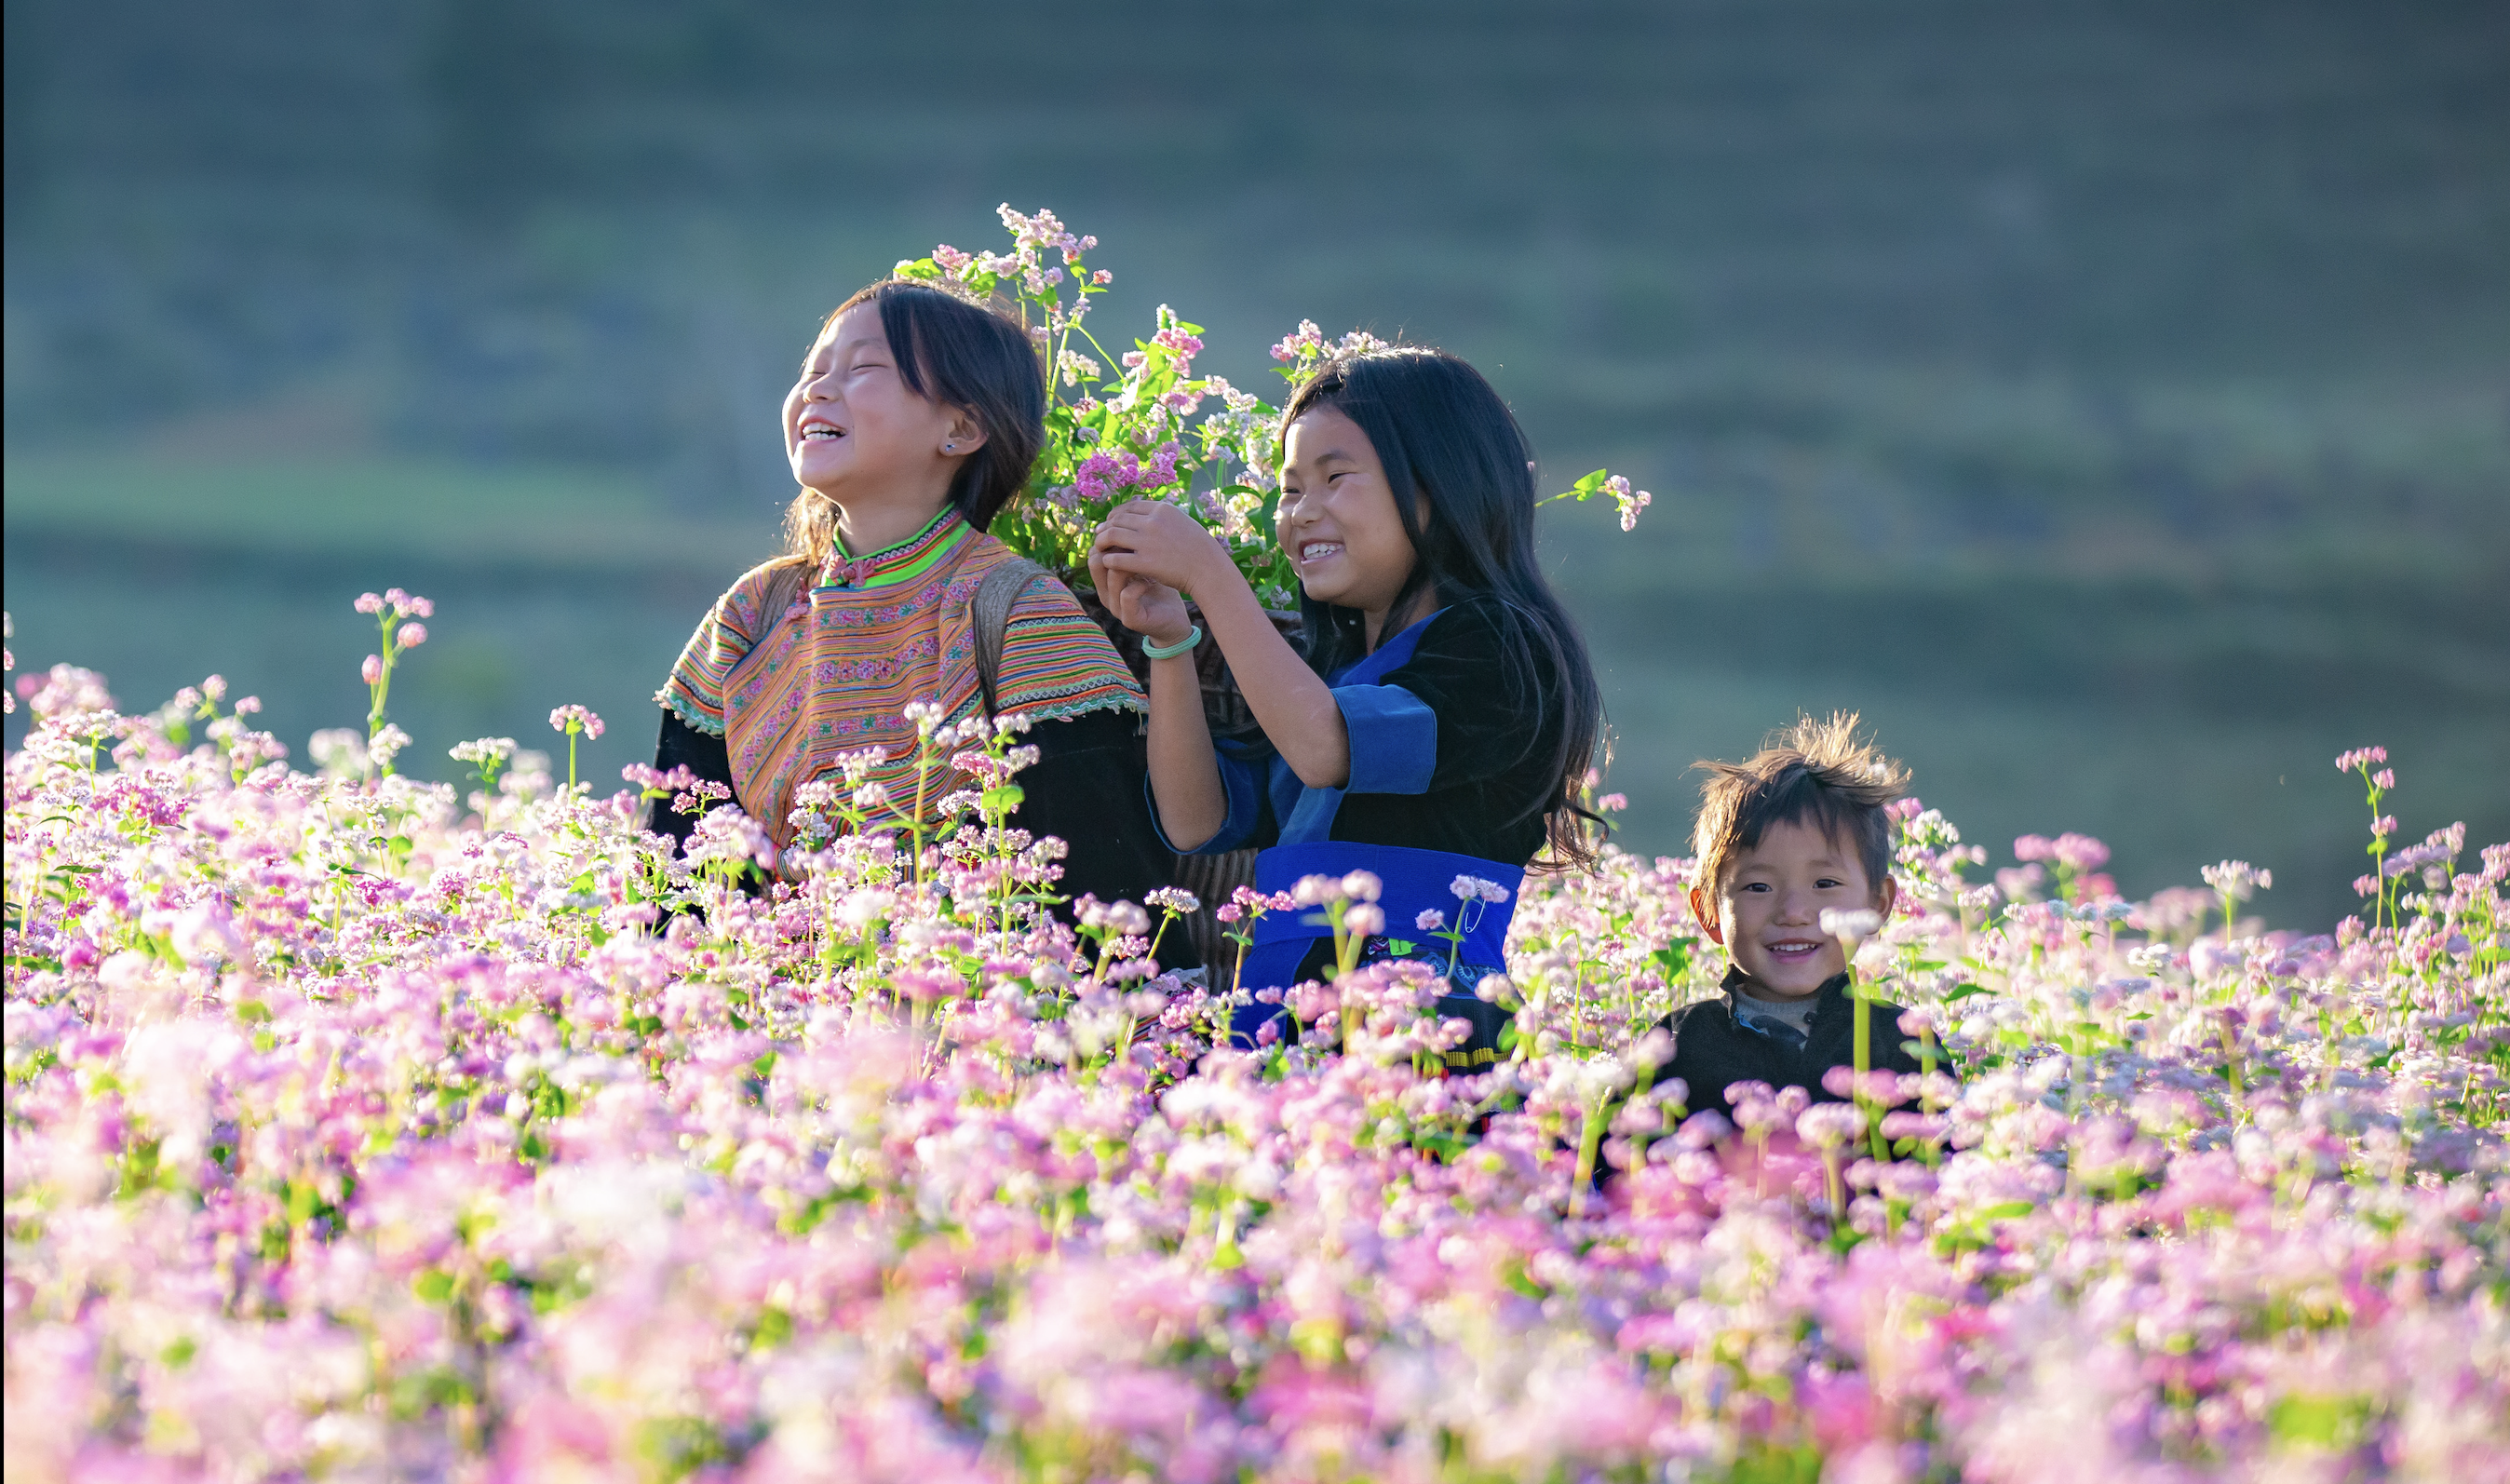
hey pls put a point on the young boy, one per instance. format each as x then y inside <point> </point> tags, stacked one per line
<point>1799,829</point>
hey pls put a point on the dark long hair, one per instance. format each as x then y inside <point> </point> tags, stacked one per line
<point>961,353</point>
<point>1446,438</point>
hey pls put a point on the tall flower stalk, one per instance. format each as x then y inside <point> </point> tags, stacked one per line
<point>574,721</point>
<point>2370,765</point>
<point>397,615</point>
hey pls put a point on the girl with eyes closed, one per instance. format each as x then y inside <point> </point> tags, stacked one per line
<point>1441,719</point>
<point>914,419</point>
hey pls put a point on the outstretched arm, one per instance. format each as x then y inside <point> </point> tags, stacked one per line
<point>1146,540</point>
<point>1185,775</point>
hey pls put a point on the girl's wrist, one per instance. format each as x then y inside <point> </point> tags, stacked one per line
<point>1219,573</point>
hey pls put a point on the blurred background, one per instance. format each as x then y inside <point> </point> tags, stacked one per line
<point>2111,400</point>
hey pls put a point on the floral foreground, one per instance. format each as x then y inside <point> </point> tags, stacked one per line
<point>359,1130</point>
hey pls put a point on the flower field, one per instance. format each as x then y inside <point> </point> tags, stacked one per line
<point>364,1127</point>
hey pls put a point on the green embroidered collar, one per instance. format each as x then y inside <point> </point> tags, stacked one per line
<point>903,562</point>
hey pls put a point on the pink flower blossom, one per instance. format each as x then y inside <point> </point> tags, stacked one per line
<point>576,718</point>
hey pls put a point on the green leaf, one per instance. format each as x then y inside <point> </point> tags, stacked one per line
<point>774,1327</point>
<point>433,1286</point>
<point>1673,959</point>
<point>677,1447</point>
<point>2318,1421</point>
<point>1769,1463</point>
<point>1965,991</point>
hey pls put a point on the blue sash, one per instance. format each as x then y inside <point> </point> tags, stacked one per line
<point>1415,881</point>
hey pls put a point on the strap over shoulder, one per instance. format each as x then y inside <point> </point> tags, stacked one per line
<point>784,584</point>
<point>990,613</point>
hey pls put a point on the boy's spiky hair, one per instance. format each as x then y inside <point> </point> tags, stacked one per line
<point>1814,772</point>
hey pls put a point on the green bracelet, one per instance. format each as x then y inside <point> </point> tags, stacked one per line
<point>1171,651</point>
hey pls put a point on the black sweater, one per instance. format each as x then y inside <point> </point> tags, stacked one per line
<point>1084,789</point>
<point>1712,1050</point>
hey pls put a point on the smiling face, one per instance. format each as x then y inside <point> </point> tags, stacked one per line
<point>1768,910</point>
<point>854,430</point>
<point>1338,520</point>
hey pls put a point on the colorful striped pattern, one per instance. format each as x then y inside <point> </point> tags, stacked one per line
<point>837,669</point>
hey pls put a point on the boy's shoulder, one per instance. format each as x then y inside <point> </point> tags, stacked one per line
<point>1682,1013</point>
<point>1698,1015</point>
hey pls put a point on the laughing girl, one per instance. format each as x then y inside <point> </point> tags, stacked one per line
<point>1443,715</point>
<point>913,420</point>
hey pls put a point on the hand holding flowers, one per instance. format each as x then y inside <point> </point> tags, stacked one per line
<point>1146,557</point>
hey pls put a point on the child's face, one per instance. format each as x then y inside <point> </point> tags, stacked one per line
<point>1768,910</point>
<point>1338,520</point>
<point>854,430</point>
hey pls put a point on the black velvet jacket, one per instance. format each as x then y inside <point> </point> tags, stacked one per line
<point>1084,789</point>
<point>1712,1050</point>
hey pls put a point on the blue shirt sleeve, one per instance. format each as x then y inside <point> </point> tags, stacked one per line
<point>1393,739</point>
<point>1243,780</point>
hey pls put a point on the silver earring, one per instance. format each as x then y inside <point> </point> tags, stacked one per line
<point>946,447</point>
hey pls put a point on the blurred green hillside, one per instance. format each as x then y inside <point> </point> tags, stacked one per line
<point>2111,400</point>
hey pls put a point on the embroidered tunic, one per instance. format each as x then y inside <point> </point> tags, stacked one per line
<point>836,671</point>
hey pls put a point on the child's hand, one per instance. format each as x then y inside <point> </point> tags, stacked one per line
<point>1149,539</point>
<point>1142,556</point>
<point>1154,610</point>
